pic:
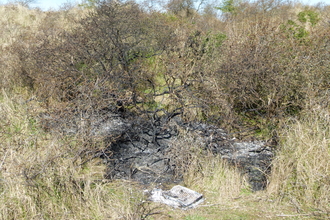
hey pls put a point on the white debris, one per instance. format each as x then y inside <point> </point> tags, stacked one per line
<point>177,197</point>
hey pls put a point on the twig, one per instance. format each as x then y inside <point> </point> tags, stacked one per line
<point>209,205</point>
<point>284,215</point>
<point>3,160</point>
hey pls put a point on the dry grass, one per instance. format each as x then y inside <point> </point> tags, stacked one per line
<point>47,177</point>
<point>218,181</point>
<point>206,173</point>
<point>301,169</point>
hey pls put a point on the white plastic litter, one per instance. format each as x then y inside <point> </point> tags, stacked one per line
<point>177,197</point>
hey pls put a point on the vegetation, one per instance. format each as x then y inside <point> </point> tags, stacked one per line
<point>258,69</point>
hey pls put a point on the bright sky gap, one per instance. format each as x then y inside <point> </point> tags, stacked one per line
<point>56,4</point>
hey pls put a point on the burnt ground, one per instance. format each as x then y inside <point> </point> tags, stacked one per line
<point>153,150</point>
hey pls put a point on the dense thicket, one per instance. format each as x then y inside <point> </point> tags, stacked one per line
<point>254,65</point>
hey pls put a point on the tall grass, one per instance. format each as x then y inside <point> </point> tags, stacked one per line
<point>219,181</point>
<point>47,177</point>
<point>301,169</point>
<point>207,173</point>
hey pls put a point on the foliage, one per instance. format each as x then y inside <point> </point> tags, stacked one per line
<point>294,30</point>
<point>309,16</point>
<point>89,4</point>
<point>228,6</point>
